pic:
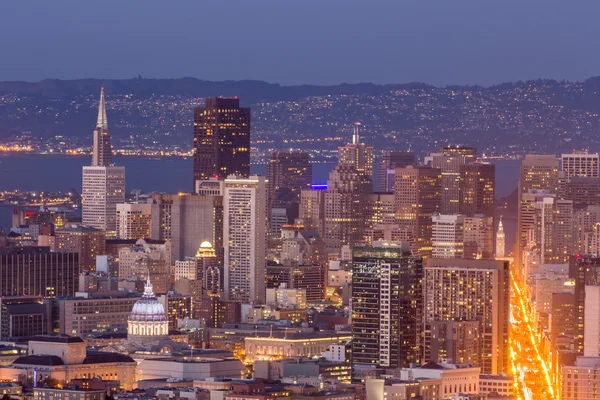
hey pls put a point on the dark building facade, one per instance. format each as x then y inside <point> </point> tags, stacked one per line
<point>387,306</point>
<point>36,271</point>
<point>310,277</point>
<point>24,316</point>
<point>287,174</point>
<point>390,160</point>
<point>477,189</point>
<point>586,271</point>
<point>221,139</point>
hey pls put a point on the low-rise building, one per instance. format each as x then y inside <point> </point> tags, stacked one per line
<point>283,345</point>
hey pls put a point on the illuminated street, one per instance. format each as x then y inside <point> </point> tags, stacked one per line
<point>533,378</point>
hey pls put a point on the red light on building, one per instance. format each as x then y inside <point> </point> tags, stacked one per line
<point>30,213</point>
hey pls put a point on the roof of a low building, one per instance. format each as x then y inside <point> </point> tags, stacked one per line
<point>57,338</point>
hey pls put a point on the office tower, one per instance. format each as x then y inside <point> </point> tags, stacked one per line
<point>564,316</point>
<point>380,213</point>
<point>581,381</point>
<point>177,306</point>
<point>244,236</point>
<point>38,272</point>
<point>345,204</point>
<point>417,196</point>
<point>357,155</point>
<point>209,271</point>
<point>585,270</point>
<point>312,209</point>
<point>143,260</point>
<point>187,220</point>
<point>103,189</point>
<point>308,276</point>
<point>450,166</point>
<point>500,240</point>
<point>386,305</point>
<point>470,153</point>
<point>87,242</point>
<point>470,290</point>
<point>390,160</point>
<point>24,316</point>
<point>477,189</point>
<point>103,182</point>
<point>221,139</point>
<point>447,236</point>
<point>287,174</point>
<point>591,321</point>
<point>586,231</point>
<point>478,237</point>
<point>538,172</point>
<point>133,220</point>
<point>102,156</point>
<point>456,342</point>
<point>582,191</point>
<point>580,164</point>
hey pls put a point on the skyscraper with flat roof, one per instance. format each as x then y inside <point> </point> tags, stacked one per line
<point>221,139</point>
<point>580,164</point>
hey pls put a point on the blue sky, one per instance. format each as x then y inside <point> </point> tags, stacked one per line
<point>294,42</point>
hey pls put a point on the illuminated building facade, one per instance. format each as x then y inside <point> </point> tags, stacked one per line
<point>580,164</point>
<point>244,237</point>
<point>470,290</point>
<point>86,241</point>
<point>478,237</point>
<point>312,209</point>
<point>36,271</point>
<point>417,196</point>
<point>477,189</point>
<point>386,305</point>
<point>188,220</point>
<point>102,154</point>
<point>287,174</point>
<point>280,346</point>
<point>103,189</point>
<point>133,221</point>
<point>310,277</point>
<point>448,236</point>
<point>221,139</point>
<point>500,240</point>
<point>390,160</point>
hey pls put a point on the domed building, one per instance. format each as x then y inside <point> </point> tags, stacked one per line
<point>147,326</point>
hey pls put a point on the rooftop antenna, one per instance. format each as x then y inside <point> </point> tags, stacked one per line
<point>355,137</point>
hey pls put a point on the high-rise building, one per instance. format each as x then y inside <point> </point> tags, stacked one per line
<point>143,260</point>
<point>133,220</point>
<point>24,317</point>
<point>470,153</point>
<point>450,166</point>
<point>38,272</point>
<point>309,276</point>
<point>580,164</point>
<point>345,206</point>
<point>586,272</point>
<point>386,305</point>
<point>477,189</point>
<point>312,209</point>
<point>390,160</point>
<point>357,155</point>
<point>448,236</point>
<point>564,316</point>
<point>582,191</point>
<point>103,189</point>
<point>187,220</point>
<point>244,236</point>
<point>87,242</point>
<point>417,196</point>
<point>103,182</point>
<point>478,237</point>
<point>287,174</point>
<point>102,156</point>
<point>500,240</point>
<point>586,231</point>
<point>221,139</point>
<point>538,172</point>
<point>580,381</point>
<point>470,290</point>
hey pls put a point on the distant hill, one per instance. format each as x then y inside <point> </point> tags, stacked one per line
<point>511,118</point>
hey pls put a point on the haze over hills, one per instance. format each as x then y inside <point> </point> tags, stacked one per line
<point>511,118</point>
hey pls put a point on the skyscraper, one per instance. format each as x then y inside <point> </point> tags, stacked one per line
<point>477,189</point>
<point>448,236</point>
<point>386,305</point>
<point>580,164</point>
<point>244,236</point>
<point>287,174</point>
<point>357,155</point>
<point>417,196</point>
<point>345,208</point>
<point>221,139</point>
<point>390,160</point>
<point>102,156</point>
<point>103,182</point>
<point>470,290</point>
<point>450,166</point>
<point>538,172</point>
<point>133,220</point>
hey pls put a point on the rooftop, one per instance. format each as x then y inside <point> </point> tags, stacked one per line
<point>58,338</point>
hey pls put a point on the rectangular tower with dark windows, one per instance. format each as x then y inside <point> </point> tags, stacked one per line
<point>221,139</point>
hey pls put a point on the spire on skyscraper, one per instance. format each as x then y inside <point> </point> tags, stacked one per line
<point>355,137</point>
<point>102,120</point>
